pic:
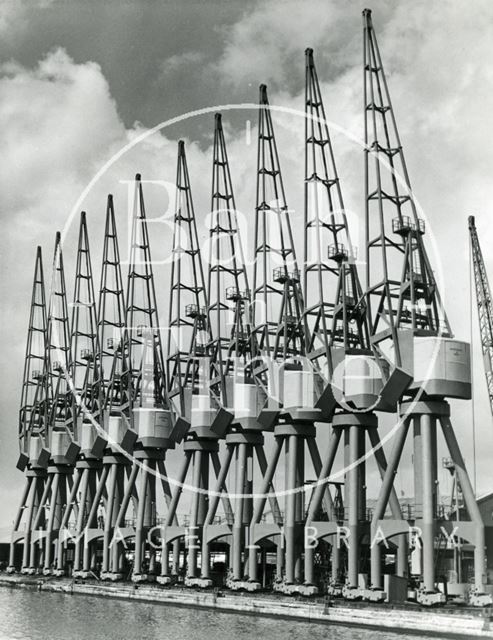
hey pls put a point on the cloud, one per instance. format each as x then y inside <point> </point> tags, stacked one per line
<point>58,120</point>
<point>11,16</point>
<point>14,16</point>
<point>179,62</point>
<point>263,46</point>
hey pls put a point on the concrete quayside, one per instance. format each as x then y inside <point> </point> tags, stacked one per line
<point>451,622</point>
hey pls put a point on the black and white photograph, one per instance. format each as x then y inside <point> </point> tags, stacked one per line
<point>246,373</point>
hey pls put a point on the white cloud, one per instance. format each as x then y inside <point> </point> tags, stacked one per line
<point>57,120</point>
<point>263,45</point>
<point>14,15</point>
<point>180,61</point>
<point>11,16</point>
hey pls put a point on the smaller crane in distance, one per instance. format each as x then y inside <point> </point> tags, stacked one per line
<point>485,307</point>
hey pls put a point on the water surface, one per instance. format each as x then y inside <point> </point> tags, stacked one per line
<point>33,615</point>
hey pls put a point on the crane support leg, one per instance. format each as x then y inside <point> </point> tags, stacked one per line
<point>383,498</point>
<point>470,500</point>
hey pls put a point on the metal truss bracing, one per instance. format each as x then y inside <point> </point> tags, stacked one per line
<point>111,305</point>
<point>148,408</point>
<point>86,378</point>
<point>485,307</point>
<point>60,426</point>
<point>192,359</point>
<point>407,297</point>
<point>228,288</point>
<point>279,328</point>
<point>84,362</point>
<point>277,299</point>
<point>33,457</point>
<point>335,309</point>
<point>144,357</point>
<point>253,362</point>
<point>114,416</point>
<point>57,362</point>
<point>233,350</point>
<point>111,331</point>
<point>189,333</point>
<point>401,286</point>
<point>336,313</point>
<point>35,355</point>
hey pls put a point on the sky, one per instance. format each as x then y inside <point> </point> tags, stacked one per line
<point>81,81</point>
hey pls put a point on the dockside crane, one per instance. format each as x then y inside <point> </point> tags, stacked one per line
<point>190,368</point>
<point>147,406</point>
<point>338,345</point>
<point>233,350</point>
<point>485,307</point>
<point>279,331</point>
<point>114,415</point>
<point>409,323</point>
<point>60,432</point>
<point>85,374</point>
<point>100,330</point>
<point>34,456</point>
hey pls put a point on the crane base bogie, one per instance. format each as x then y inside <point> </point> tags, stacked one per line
<point>191,582</point>
<point>243,585</point>
<point>430,598</point>
<point>477,598</point>
<point>307,590</point>
<point>80,574</point>
<point>167,581</point>
<point>138,578</point>
<point>60,573</point>
<point>112,576</point>
<point>11,570</point>
<point>335,590</point>
<point>353,593</point>
<point>374,595</point>
<point>295,589</point>
<point>106,576</point>
<point>86,575</point>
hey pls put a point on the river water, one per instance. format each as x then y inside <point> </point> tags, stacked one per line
<point>31,615</point>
